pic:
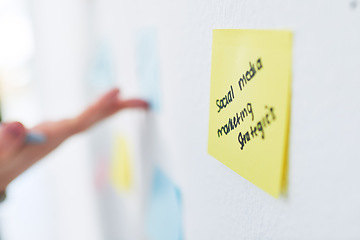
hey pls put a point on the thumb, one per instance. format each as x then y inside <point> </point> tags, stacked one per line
<point>12,137</point>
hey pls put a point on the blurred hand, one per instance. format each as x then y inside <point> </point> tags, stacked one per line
<point>16,156</point>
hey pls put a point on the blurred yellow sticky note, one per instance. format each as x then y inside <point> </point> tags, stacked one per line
<point>120,173</point>
<point>250,96</point>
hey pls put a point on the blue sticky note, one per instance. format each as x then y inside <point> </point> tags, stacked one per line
<point>164,215</point>
<point>102,74</point>
<point>148,69</point>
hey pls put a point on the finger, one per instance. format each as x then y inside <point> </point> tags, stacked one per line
<point>108,97</point>
<point>111,102</point>
<point>102,111</point>
<point>107,105</point>
<point>133,103</point>
<point>12,137</point>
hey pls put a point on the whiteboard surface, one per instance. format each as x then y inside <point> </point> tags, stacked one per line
<point>323,195</point>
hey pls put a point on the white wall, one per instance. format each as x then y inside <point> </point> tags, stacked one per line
<point>323,193</point>
<point>60,29</point>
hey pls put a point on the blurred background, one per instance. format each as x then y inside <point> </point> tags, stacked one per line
<point>56,57</point>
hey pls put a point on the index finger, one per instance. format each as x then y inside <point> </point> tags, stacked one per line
<point>133,103</point>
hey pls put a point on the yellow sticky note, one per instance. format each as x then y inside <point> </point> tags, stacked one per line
<point>250,104</point>
<point>120,173</point>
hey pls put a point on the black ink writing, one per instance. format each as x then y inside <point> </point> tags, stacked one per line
<point>246,77</point>
<point>235,121</point>
<point>258,129</point>
<point>227,99</point>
